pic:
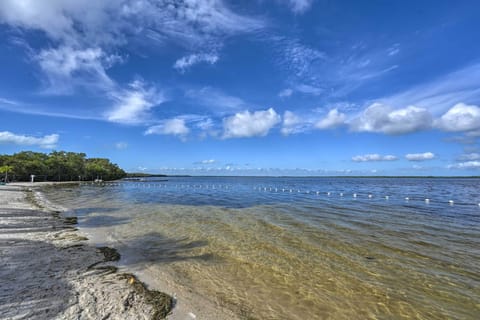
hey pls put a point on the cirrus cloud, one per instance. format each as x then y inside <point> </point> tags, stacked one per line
<point>186,62</point>
<point>66,67</point>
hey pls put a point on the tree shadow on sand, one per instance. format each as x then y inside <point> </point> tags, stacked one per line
<point>31,285</point>
<point>24,293</point>
<point>26,220</point>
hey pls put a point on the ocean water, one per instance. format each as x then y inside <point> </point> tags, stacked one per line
<point>299,248</point>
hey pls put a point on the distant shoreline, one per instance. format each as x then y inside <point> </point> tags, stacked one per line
<point>349,177</point>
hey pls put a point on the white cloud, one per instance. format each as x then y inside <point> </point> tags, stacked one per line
<point>309,89</point>
<point>175,126</point>
<point>381,118</point>
<point>248,124</point>
<point>216,100</point>
<point>209,161</point>
<point>291,123</point>
<point>469,156</point>
<point>299,6</point>
<point>332,120</point>
<point>121,145</point>
<point>112,22</point>
<point>373,157</point>
<point>133,105</point>
<point>9,102</point>
<point>420,156</point>
<point>465,165</point>
<point>85,32</point>
<point>285,93</point>
<point>460,117</point>
<point>186,62</point>
<point>393,50</point>
<point>66,67</point>
<point>205,124</point>
<point>473,133</point>
<point>46,142</point>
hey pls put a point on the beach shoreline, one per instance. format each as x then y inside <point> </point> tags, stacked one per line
<point>49,269</point>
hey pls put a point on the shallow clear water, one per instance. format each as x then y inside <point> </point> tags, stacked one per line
<point>300,248</point>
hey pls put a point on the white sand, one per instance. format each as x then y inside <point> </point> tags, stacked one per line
<point>44,268</point>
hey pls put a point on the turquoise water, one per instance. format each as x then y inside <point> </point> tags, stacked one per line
<point>300,248</point>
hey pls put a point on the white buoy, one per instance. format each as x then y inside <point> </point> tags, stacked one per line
<point>450,202</point>
<point>370,196</point>
<point>387,197</point>
<point>427,200</point>
<point>318,193</point>
<point>328,193</point>
<point>407,198</point>
<point>354,195</point>
<point>341,194</point>
<point>290,190</point>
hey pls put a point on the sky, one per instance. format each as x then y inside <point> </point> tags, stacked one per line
<point>254,87</point>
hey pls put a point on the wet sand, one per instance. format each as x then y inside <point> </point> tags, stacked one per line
<point>50,271</point>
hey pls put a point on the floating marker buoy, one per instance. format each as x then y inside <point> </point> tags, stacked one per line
<point>354,195</point>
<point>370,196</point>
<point>450,202</point>
<point>387,197</point>
<point>341,194</point>
<point>407,198</point>
<point>328,193</point>
<point>318,193</point>
<point>427,200</point>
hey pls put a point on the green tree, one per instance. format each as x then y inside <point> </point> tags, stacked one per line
<point>27,163</point>
<point>5,169</point>
<point>59,166</point>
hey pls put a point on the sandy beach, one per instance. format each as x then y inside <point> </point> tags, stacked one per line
<point>49,271</point>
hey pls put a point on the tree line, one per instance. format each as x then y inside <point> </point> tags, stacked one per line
<point>57,166</point>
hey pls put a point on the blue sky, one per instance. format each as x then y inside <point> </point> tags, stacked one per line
<point>261,87</point>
